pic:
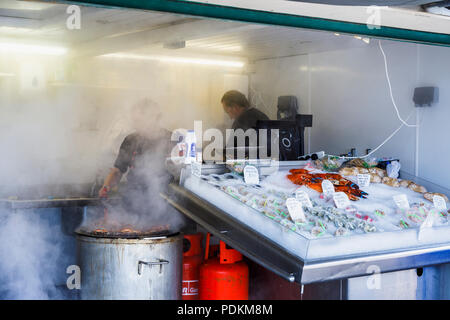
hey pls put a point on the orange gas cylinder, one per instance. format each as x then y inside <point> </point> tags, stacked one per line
<point>192,259</point>
<point>224,277</point>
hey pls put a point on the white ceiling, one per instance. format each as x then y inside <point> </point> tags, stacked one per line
<point>116,30</point>
<point>266,42</point>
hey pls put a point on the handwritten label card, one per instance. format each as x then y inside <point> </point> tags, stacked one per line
<point>439,203</point>
<point>424,229</point>
<point>295,210</point>
<point>251,175</point>
<point>327,188</point>
<point>303,198</point>
<point>401,200</point>
<point>363,180</point>
<point>341,200</point>
<point>196,168</point>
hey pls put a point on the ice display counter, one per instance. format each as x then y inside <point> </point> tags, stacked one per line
<point>232,210</point>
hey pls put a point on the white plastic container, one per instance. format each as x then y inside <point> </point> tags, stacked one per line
<point>190,147</point>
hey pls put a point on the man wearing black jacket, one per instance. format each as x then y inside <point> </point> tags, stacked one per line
<point>142,156</point>
<point>236,105</point>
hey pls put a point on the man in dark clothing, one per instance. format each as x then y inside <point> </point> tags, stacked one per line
<point>236,105</point>
<point>142,156</point>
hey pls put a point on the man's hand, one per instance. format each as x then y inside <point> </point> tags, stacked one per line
<point>103,192</point>
<point>111,181</point>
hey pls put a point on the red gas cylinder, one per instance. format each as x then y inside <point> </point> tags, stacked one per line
<point>224,277</point>
<point>192,259</point>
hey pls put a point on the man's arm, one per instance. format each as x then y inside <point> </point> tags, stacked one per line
<point>121,164</point>
<point>111,180</point>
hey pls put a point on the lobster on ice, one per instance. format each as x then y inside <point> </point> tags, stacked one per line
<point>314,181</point>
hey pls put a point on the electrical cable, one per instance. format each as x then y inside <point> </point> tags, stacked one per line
<point>257,94</point>
<point>404,123</point>
<point>374,150</point>
<point>390,88</point>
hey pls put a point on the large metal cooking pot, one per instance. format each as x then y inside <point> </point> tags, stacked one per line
<point>140,268</point>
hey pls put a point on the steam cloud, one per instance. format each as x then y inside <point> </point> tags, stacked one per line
<point>49,140</point>
<point>30,255</point>
<point>65,130</point>
<point>34,253</point>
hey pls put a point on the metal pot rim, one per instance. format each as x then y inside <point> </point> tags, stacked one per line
<point>124,235</point>
<point>138,240</point>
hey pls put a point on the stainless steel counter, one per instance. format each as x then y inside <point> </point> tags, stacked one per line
<point>270,253</point>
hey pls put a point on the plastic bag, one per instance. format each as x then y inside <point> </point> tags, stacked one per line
<point>392,169</point>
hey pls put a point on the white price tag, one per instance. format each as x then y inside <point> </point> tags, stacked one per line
<point>295,210</point>
<point>251,175</point>
<point>401,200</point>
<point>327,188</point>
<point>341,200</point>
<point>363,180</point>
<point>426,224</point>
<point>196,168</point>
<point>439,203</point>
<point>303,198</point>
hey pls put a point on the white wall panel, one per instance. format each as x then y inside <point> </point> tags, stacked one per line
<point>351,105</point>
<point>434,148</point>
<point>347,93</point>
